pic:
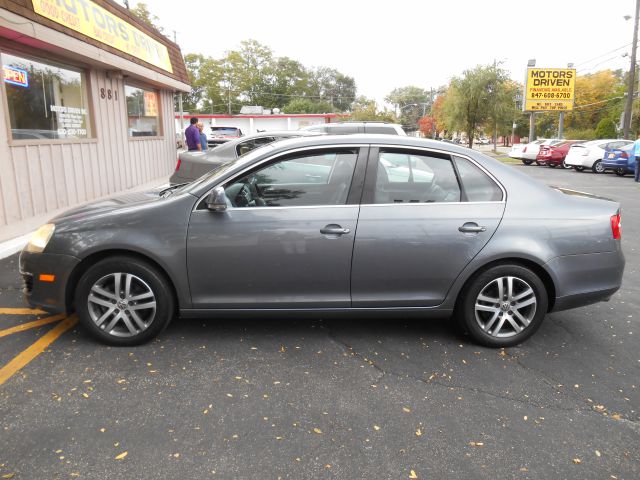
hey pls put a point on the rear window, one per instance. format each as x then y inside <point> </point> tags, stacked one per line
<point>225,131</point>
<point>478,186</point>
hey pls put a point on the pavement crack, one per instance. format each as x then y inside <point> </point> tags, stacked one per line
<point>404,376</point>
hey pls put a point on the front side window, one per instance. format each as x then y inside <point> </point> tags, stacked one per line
<point>407,177</point>
<point>302,180</point>
<point>46,101</point>
<point>143,112</point>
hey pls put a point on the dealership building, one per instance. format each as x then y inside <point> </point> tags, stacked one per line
<point>87,106</point>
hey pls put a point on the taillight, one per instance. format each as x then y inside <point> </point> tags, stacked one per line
<point>178,164</point>
<point>616,226</point>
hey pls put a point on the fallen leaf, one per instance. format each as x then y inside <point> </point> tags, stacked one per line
<point>412,474</point>
<point>317,430</point>
<point>122,455</point>
<point>103,430</point>
<point>176,455</point>
<point>418,433</point>
<point>282,349</point>
<point>598,453</point>
<point>85,395</point>
<point>8,475</point>
<point>577,461</point>
<point>616,416</point>
<point>376,428</point>
<point>502,353</point>
<point>476,444</point>
<point>405,409</point>
<point>525,418</point>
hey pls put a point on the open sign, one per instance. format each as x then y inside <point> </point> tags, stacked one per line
<point>15,76</point>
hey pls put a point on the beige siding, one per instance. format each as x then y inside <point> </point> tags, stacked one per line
<point>39,178</point>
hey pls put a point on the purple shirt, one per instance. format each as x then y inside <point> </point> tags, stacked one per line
<point>193,137</point>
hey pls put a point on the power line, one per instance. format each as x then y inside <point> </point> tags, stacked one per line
<point>604,54</point>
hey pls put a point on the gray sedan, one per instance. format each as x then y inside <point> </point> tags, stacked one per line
<point>351,225</point>
<point>192,165</point>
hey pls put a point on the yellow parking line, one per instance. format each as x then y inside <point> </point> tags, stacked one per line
<point>34,324</point>
<point>21,311</point>
<point>24,357</point>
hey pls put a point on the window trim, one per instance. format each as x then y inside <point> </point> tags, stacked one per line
<point>370,180</point>
<point>361,162</point>
<point>149,88</point>
<point>37,56</point>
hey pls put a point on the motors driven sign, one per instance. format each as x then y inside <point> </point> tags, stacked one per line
<point>550,89</point>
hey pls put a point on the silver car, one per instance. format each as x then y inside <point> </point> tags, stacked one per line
<point>192,165</point>
<point>356,225</point>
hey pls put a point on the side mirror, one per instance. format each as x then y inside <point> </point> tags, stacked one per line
<point>216,201</point>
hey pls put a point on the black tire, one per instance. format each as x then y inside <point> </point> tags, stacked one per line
<point>152,315</point>
<point>482,282</point>
<point>597,167</point>
<point>527,162</point>
<point>537,163</point>
<point>564,165</point>
<point>578,169</point>
<point>621,172</point>
<point>551,165</point>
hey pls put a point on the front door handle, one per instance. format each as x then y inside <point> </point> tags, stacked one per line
<point>471,227</point>
<point>333,229</point>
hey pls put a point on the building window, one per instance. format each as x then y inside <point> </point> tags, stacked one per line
<point>143,114</point>
<point>46,101</point>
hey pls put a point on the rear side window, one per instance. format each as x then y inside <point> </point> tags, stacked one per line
<point>478,186</point>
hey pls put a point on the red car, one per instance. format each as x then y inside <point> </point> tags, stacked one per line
<point>554,155</point>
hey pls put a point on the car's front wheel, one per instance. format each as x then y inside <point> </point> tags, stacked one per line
<point>621,172</point>
<point>503,306</point>
<point>527,162</point>
<point>124,301</point>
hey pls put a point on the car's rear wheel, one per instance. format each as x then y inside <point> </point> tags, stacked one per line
<point>598,167</point>
<point>527,162</point>
<point>578,168</point>
<point>621,172</point>
<point>503,306</point>
<point>551,164</point>
<point>124,301</point>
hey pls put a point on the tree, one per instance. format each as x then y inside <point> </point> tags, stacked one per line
<point>365,109</point>
<point>466,102</point>
<point>142,12</point>
<point>306,105</point>
<point>412,103</point>
<point>427,125</point>
<point>330,85</point>
<point>606,129</point>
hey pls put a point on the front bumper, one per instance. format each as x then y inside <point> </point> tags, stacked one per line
<point>50,296</point>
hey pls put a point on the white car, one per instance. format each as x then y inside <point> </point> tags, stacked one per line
<point>518,149</point>
<point>530,151</point>
<point>590,154</point>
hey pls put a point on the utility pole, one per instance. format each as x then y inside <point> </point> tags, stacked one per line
<point>532,127</point>
<point>632,74</point>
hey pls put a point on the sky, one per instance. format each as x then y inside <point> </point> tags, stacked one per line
<point>389,44</point>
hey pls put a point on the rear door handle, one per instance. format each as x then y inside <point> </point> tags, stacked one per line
<point>471,227</point>
<point>333,229</point>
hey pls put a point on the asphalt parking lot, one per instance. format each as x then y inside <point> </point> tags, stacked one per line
<point>381,399</point>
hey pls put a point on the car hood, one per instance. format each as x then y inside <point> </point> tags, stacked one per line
<point>107,205</point>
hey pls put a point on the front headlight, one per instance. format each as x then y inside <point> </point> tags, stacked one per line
<point>40,238</point>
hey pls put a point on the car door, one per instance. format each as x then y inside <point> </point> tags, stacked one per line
<point>424,217</point>
<point>286,238</point>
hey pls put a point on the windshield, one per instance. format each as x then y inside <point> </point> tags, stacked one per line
<point>236,164</point>
<point>224,131</point>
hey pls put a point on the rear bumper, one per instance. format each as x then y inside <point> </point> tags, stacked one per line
<point>49,296</point>
<point>579,162</point>
<point>585,279</point>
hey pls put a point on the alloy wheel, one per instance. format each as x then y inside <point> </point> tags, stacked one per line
<point>121,304</point>
<point>505,306</point>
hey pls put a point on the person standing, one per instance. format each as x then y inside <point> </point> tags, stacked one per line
<point>203,136</point>
<point>636,153</point>
<point>192,135</point>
